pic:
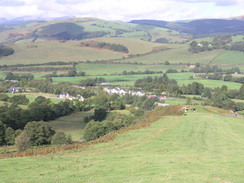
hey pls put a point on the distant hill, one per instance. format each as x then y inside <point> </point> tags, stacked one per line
<point>32,29</point>
<point>2,20</point>
<point>201,26</point>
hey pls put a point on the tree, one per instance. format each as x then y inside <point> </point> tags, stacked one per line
<point>166,63</point>
<point>2,133</point>
<point>241,92</point>
<point>39,132</point>
<point>149,103</point>
<point>188,102</point>
<point>19,99</point>
<point>207,93</point>
<point>41,99</point>
<point>22,142</point>
<point>60,139</point>
<point>4,97</point>
<point>100,114</point>
<point>228,77</point>
<point>10,136</point>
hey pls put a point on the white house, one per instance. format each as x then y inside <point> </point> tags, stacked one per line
<point>14,89</point>
<point>161,104</point>
<point>64,95</point>
<point>140,93</point>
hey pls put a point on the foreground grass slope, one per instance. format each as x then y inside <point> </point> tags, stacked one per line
<point>200,147</point>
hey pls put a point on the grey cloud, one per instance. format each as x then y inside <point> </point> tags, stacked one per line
<point>11,3</point>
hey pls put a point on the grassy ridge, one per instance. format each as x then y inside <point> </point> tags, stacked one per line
<point>199,147</point>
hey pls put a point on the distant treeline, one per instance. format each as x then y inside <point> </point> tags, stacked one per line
<point>11,76</point>
<point>8,67</point>
<point>213,69</point>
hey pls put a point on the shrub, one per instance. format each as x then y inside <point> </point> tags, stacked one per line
<point>22,142</point>
<point>60,139</point>
<point>10,136</point>
<point>39,132</point>
<point>2,133</point>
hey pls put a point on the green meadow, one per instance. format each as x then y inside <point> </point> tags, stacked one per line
<point>212,83</point>
<point>178,55</point>
<point>230,57</point>
<point>72,125</point>
<point>199,147</point>
<point>31,96</point>
<point>51,51</point>
<point>103,69</point>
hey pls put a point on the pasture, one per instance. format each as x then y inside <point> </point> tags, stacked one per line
<point>128,80</point>
<point>231,58</point>
<point>32,95</point>
<point>51,51</point>
<point>72,125</point>
<point>135,46</point>
<point>108,69</point>
<point>199,147</point>
<point>211,83</point>
<point>176,55</point>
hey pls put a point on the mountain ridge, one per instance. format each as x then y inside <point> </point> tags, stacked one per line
<point>199,26</point>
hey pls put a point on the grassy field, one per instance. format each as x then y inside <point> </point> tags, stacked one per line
<point>114,80</point>
<point>72,125</point>
<point>135,46</point>
<point>31,96</point>
<point>199,147</point>
<point>101,69</point>
<point>176,55</point>
<point>211,83</point>
<point>230,57</point>
<point>51,51</point>
<point>128,80</point>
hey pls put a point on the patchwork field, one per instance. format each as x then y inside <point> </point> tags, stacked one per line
<point>198,147</point>
<point>129,80</point>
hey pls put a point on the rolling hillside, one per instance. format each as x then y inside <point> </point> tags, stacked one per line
<point>204,146</point>
<point>83,28</point>
<point>60,40</point>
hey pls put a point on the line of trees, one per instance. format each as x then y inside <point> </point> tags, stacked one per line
<point>219,42</point>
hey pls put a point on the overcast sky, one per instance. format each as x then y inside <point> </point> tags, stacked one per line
<point>124,10</point>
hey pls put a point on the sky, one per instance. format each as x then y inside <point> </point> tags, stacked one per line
<point>123,10</point>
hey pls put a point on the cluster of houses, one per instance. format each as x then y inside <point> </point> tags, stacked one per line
<point>65,95</point>
<point>122,91</point>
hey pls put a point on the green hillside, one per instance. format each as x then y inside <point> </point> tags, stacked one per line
<point>200,147</point>
<point>85,28</point>
<point>51,51</point>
